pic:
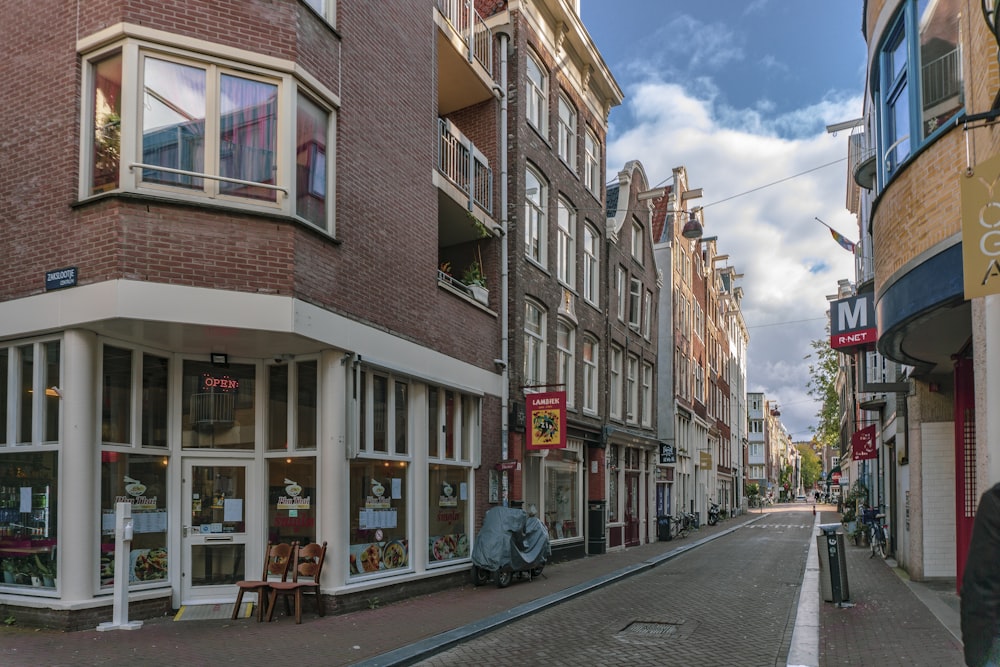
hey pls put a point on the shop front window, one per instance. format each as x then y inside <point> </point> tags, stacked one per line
<point>217,406</point>
<point>291,500</point>
<point>28,527</point>
<point>562,506</point>
<point>141,480</point>
<point>447,513</point>
<point>613,483</point>
<point>298,427</point>
<point>379,516</point>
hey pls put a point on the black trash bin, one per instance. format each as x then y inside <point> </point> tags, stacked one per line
<point>832,564</point>
<point>663,528</point>
<point>596,539</point>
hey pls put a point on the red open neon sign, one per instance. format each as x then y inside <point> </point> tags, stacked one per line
<point>224,383</point>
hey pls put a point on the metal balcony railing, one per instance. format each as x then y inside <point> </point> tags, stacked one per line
<point>941,79</point>
<point>465,166</point>
<point>470,25</point>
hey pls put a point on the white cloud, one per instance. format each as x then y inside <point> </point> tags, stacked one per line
<point>789,261</point>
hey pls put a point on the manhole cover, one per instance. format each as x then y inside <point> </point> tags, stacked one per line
<point>647,629</point>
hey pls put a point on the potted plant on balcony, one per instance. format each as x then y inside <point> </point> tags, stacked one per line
<point>475,280</point>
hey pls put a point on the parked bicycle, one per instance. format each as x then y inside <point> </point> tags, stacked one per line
<point>682,524</point>
<point>876,528</point>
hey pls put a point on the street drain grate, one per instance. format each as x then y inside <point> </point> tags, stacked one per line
<point>647,629</point>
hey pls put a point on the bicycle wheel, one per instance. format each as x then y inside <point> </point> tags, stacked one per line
<point>880,543</point>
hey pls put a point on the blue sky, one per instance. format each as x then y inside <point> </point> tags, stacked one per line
<point>740,93</point>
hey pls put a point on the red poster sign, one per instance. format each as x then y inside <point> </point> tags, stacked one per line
<point>546,420</point>
<point>863,444</point>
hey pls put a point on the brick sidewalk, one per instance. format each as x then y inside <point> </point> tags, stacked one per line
<point>887,624</point>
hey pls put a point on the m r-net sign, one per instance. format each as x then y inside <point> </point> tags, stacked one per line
<point>852,322</point>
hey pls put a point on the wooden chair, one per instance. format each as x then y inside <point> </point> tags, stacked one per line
<point>305,580</point>
<point>277,561</point>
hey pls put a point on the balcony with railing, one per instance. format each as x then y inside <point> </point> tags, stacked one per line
<point>465,56</point>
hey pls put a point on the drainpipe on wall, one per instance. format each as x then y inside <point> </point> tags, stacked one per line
<point>504,270</point>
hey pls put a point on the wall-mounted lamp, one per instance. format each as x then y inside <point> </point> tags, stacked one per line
<point>220,359</point>
<point>692,228</point>
<point>54,391</point>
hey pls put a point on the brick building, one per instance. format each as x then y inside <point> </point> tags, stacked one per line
<point>223,299</point>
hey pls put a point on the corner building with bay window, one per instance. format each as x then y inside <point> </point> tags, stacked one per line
<point>228,299</point>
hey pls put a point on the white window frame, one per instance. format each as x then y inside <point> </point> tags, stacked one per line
<point>621,277</point>
<point>647,314</point>
<point>635,303</point>
<point>242,64</point>
<point>43,394</point>
<point>366,446</point>
<point>566,133</point>
<point>537,93</point>
<point>616,386</point>
<point>632,389</point>
<point>591,366</point>
<point>647,394</point>
<point>534,343</point>
<point>566,242</point>
<point>637,239</point>
<point>536,215</point>
<point>566,359</point>
<point>591,265</point>
<point>325,8</point>
<point>592,164</point>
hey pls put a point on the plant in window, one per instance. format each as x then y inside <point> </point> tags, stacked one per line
<point>473,274</point>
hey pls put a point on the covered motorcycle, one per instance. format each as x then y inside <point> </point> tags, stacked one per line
<point>510,542</point>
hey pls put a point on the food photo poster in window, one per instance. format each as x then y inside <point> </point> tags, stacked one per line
<point>140,480</point>
<point>379,515</point>
<point>448,512</point>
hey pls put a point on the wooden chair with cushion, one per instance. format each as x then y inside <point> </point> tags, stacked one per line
<point>305,580</point>
<point>277,561</point>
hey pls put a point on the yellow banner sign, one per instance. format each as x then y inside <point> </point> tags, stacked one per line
<point>981,229</point>
<point>705,459</point>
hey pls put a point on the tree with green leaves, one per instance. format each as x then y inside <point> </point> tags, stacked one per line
<point>811,465</point>
<point>822,386</point>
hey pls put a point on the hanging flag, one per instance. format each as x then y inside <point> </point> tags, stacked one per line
<point>844,242</point>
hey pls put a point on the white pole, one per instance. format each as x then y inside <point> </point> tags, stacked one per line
<point>123,549</point>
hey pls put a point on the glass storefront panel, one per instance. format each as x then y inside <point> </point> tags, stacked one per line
<point>379,516</point>
<point>4,371</point>
<point>28,513</point>
<point>27,354</point>
<point>217,564</point>
<point>154,400</point>
<point>217,499</point>
<point>307,401</point>
<point>217,406</point>
<point>562,510</point>
<point>291,500</point>
<point>277,407</point>
<point>447,513</point>
<point>50,404</point>
<point>116,398</point>
<point>141,480</point>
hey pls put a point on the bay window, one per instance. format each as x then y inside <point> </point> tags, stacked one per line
<point>919,86</point>
<point>205,130</point>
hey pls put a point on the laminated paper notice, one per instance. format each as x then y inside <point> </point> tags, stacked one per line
<point>232,510</point>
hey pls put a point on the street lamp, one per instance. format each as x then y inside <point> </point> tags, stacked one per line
<point>692,228</point>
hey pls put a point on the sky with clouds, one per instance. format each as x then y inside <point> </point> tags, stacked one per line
<point>740,94</point>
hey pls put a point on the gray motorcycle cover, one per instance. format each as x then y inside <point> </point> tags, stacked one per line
<point>509,538</point>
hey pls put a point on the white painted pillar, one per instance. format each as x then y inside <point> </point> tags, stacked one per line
<point>986,413</point>
<point>333,481</point>
<point>79,468</point>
